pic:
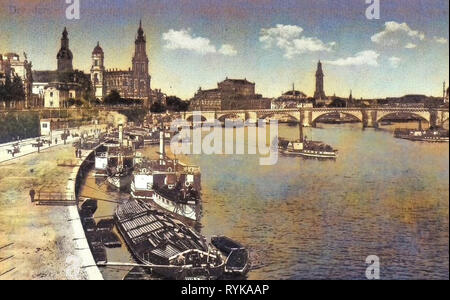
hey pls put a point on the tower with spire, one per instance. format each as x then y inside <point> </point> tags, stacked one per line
<point>140,70</point>
<point>319,94</point>
<point>350,99</point>
<point>65,56</point>
<point>98,72</point>
<point>133,83</point>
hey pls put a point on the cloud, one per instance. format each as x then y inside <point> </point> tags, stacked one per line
<point>368,57</point>
<point>227,50</point>
<point>289,39</point>
<point>440,40</point>
<point>395,34</point>
<point>410,46</point>
<point>395,61</point>
<point>184,40</point>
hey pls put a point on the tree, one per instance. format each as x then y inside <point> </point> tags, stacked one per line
<point>76,102</point>
<point>176,104</point>
<point>113,98</point>
<point>157,108</point>
<point>12,91</point>
<point>338,102</point>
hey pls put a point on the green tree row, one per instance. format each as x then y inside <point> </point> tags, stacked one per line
<point>18,126</point>
<point>12,90</point>
<point>114,99</point>
<point>173,103</point>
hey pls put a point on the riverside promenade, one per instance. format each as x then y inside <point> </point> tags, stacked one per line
<point>42,242</point>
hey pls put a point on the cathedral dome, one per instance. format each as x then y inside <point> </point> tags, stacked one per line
<point>98,50</point>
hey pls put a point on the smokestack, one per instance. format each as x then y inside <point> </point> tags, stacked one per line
<point>162,149</point>
<point>121,134</point>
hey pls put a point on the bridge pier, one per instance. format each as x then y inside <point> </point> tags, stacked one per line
<point>369,119</point>
<point>442,117</point>
<point>306,116</point>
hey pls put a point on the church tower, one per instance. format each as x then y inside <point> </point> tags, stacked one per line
<point>319,93</point>
<point>65,56</point>
<point>98,72</point>
<point>141,77</point>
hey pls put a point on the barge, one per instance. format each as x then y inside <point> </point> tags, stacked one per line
<point>165,245</point>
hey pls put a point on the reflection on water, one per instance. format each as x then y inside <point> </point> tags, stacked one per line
<point>309,219</point>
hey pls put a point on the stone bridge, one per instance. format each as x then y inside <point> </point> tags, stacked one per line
<point>369,117</point>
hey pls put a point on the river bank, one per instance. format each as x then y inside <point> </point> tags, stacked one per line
<point>45,241</point>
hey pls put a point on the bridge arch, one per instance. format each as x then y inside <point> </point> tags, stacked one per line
<point>191,118</point>
<point>424,116</point>
<point>316,116</point>
<point>279,116</point>
<point>231,116</point>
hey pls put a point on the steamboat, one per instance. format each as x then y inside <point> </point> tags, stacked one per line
<point>432,135</point>
<point>165,245</point>
<point>168,184</point>
<point>307,149</point>
<point>115,161</point>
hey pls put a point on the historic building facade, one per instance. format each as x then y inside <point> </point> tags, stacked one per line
<point>133,83</point>
<point>292,99</point>
<point>54,89</point>
<point>230,94</point>
<point>11,66</point>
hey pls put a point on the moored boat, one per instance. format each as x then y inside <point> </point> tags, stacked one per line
<point>114,159</point>
<point>165,245</point>
<point>238,261</point>
<point>431,135</point>
<point>169,185</point>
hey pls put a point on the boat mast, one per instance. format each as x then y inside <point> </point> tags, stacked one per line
<point>162,150</point>
<point>120,158</point>
<point>300,129</point>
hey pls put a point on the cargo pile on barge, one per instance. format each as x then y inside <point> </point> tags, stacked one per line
<point>167,246</point>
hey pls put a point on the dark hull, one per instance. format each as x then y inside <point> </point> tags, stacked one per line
<point>238,259</point>
<point>170,271</point>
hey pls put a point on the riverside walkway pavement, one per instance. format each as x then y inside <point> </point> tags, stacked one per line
<point>26,146</point>
<point>41,242</point>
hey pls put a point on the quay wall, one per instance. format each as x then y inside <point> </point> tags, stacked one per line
<point>82,246</point>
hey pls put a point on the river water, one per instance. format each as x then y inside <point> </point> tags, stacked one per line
<point>310,219</point>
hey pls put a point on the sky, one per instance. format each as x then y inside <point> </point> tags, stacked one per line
<point>197,43</point>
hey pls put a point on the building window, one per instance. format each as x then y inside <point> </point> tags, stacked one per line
<point>96,62</point>
<point>51,95</point>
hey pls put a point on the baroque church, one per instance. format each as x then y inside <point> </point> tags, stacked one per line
<point>133,83</point>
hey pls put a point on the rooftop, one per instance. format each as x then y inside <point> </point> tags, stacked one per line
<point>239,81</point>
